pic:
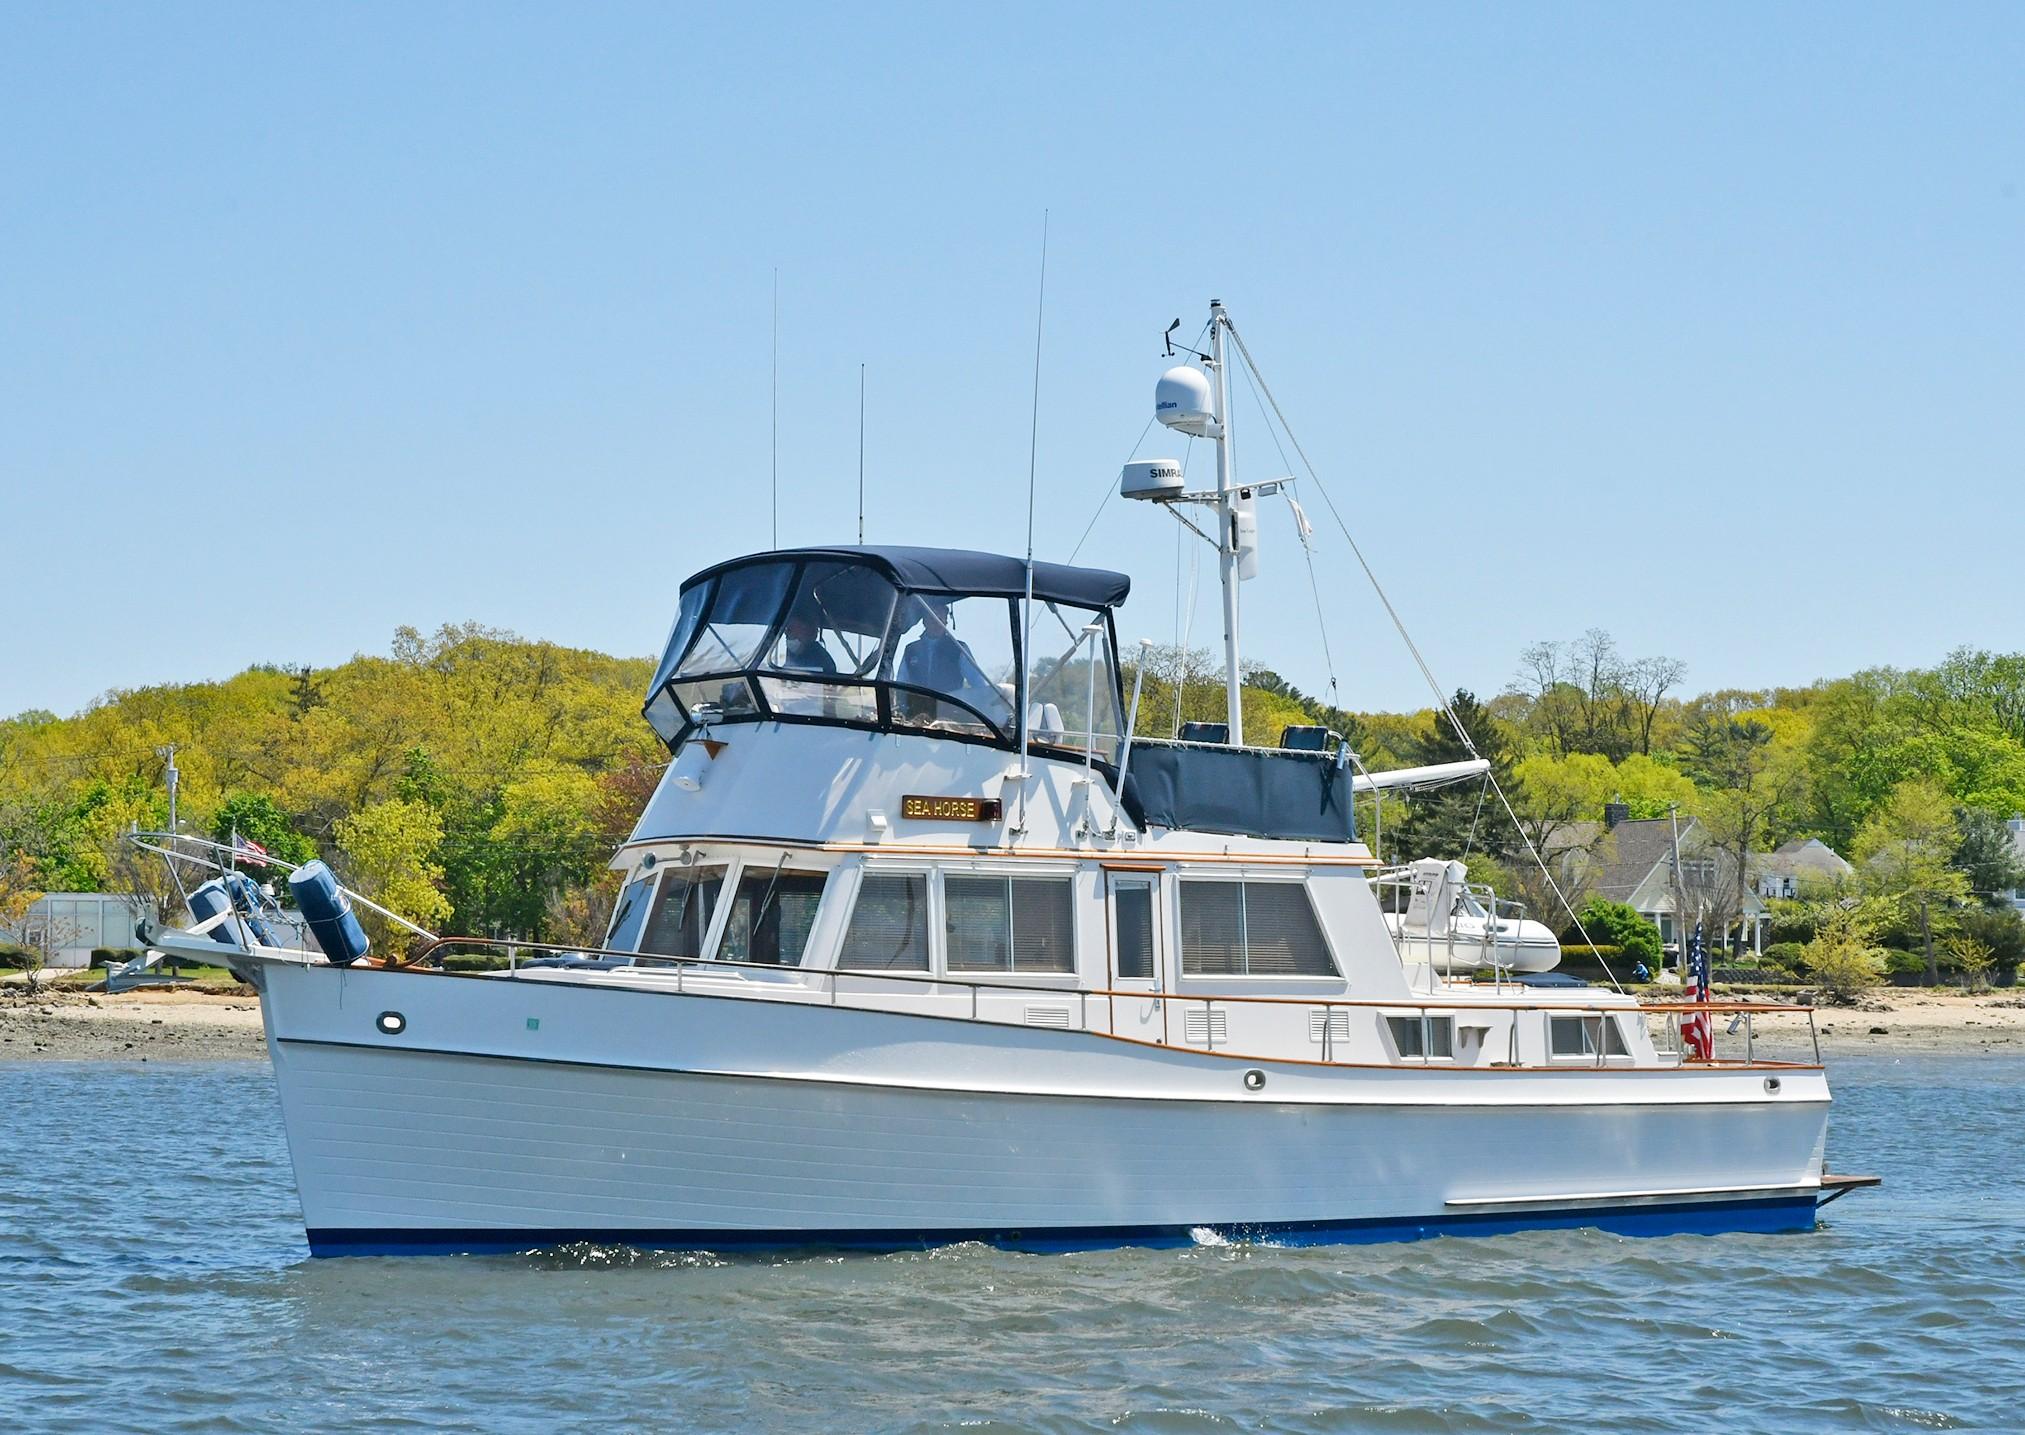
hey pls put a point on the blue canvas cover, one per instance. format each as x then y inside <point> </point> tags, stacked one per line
<point>959,570</point>
<point>1243,792</point>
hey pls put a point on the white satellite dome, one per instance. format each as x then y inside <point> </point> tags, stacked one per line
<point>1182,401</point>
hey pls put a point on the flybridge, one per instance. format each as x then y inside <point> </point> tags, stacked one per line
<point>897,639</point>
<point>932,642</point>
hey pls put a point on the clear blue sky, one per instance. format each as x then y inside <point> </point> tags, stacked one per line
<point>1705,324</point>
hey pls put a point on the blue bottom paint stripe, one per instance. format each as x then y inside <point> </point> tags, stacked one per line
<point>1707,1218</point>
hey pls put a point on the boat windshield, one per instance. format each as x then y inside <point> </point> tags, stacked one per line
<point>829,639</point>
<point>1074,678</point>
<point>952,662</point>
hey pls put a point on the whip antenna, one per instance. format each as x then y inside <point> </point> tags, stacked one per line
<point>1033,452</point>
<point>776,408</point>
<point>861,453</point>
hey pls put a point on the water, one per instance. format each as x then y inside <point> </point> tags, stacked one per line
<point>153,1277</point>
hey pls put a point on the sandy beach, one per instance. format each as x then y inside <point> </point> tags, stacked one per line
<point>57,1025</point>
<point>1907,1017</point>
<point>186,1025</point>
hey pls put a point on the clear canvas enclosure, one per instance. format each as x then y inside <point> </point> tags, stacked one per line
<point>898,638</point>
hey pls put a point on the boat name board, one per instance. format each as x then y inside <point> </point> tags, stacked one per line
<point>951,809</point>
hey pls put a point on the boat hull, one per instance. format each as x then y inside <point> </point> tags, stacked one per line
<point>514,1115</point>
<point>1762,1215</point>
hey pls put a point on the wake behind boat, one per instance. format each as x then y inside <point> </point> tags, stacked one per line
<point>918,942</point>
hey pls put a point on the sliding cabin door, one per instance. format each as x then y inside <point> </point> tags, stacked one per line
<point>1137,959</point>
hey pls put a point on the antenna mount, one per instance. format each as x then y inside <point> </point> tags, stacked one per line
<point>1167,341</point>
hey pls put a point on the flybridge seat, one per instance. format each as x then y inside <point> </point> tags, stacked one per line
<point>896,639</point>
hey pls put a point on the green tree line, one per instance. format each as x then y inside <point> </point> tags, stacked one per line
<point>472,780</point>
<point>478,781</point>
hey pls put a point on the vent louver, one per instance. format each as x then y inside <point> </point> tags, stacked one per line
<point>1204,1028</point>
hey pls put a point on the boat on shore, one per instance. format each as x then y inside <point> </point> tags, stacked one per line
<point>919,942</point>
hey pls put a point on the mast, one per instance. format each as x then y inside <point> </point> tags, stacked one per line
<point>1196,402</point>
<point>1227,538</point>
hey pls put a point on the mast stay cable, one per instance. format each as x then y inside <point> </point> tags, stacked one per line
<point>1399,624</point>
<point>1302,530</point>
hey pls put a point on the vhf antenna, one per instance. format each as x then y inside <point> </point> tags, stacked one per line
<point>773,390</point>
<point>1173,348</point>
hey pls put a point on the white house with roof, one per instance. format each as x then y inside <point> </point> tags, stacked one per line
<point>1804,865</point>
<point>2016,895</point>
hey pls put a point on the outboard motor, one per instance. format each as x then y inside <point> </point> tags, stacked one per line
<point>237,894</point>
<point>214,899</point>
<point>1437,892</point>
<point>247,898</point>
<point>327,913</point>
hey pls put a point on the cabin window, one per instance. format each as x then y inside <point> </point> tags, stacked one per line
<point>1255,929</point>
<point>725,697</point>
<point>772,913</point>
<point>661,712</point>
<point>1132,906</point>
<point>889,924</point>
<point>682,912</point>
<point>1423,1038</point>
<point>796,697</point>
<point>743,605</point>
<point>953,661</point>
<point>1580,1036</point>
<point>629,915</point>
<point>1008,924</point>
<point>1073,678</point>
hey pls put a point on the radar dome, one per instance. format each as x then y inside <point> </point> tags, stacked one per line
<point>1152,478</point>
<point>1182,401</point>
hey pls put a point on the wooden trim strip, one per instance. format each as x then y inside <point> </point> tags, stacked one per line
<point>1080,854</point>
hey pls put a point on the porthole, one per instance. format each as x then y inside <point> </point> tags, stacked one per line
<point>1255,1080</point>
<point>390,1023</point>
<point>1771,1086</point>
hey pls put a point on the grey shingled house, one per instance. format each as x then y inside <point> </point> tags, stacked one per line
<point>1633,862</point>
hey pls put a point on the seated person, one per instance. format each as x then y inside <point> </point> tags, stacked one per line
<point>939,662</point>
<point>936,660</point>
<point>805,652</point>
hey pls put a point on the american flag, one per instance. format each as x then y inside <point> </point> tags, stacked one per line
<point>1694,1029</point>
<point>246,850</point>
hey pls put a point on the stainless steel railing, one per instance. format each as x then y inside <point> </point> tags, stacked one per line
<point>830,982</point>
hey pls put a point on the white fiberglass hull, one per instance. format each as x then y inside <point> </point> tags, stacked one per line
<point>511,1115</point>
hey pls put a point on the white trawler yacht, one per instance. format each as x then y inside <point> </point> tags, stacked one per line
<point>917,944</point>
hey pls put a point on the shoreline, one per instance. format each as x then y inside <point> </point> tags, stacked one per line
<point>147,1025</point>
<point>190,1025</point>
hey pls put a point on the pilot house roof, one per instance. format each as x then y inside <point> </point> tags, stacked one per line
<point>957,570</point>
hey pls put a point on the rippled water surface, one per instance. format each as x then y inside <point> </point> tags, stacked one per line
<point>153,1277</point>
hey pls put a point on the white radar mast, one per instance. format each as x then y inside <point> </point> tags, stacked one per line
<point>1195,401</point>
